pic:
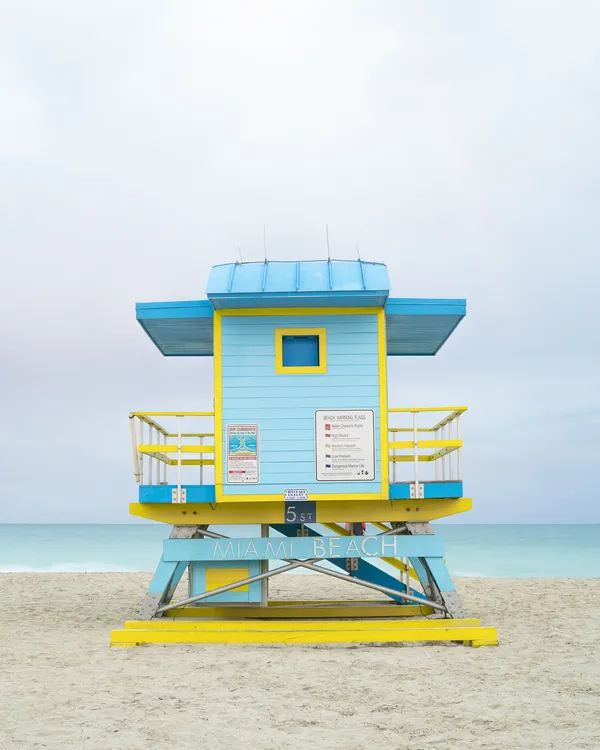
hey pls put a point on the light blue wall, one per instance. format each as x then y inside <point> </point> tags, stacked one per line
<point>284,405</point>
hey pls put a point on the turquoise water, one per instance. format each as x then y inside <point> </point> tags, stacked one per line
<point>544,551</point>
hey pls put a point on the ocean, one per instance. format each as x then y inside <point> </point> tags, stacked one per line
<point>522,551</point>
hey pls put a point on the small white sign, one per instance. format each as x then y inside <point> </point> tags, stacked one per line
<point>242,454</point>
<point>295,494</point>
<point>345,445</point>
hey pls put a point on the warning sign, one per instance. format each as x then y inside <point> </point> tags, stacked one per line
<point>242,454</point>
<point>345,445</point>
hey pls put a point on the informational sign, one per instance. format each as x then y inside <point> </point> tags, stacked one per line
<point>295,494</point>
<point>345,445</point>
<point>242,454</point>
<point>300,512</point>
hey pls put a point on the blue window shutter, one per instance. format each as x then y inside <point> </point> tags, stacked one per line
<point>300,351</point>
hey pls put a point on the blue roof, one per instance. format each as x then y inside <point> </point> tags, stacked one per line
<point>414,327</point>
<point>319,283</point>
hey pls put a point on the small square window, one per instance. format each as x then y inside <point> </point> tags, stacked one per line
<point>300,350</point>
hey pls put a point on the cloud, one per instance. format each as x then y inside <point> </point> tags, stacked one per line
<point>142,142</point>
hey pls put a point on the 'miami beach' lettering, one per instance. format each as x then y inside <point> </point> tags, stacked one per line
<point>304,548</point>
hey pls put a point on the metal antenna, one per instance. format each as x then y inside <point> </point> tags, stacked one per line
<point>265,240</point>
<point>327,235</point>
<point>358,252</point>
<point>240,252</point>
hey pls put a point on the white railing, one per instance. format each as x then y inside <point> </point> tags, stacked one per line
<point>154,447</point>
<point>442,448</point>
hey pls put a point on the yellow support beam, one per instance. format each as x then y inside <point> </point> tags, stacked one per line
<point>381,526</point>
<point>275,625</point>
<point>308,610</point>
<point>249,512</point>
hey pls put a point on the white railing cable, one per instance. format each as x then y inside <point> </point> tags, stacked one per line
<point>416,454</point>
<point>150,460</point>
<point>136,458</point>
<point>201,462</point>
<point>179,446</point>
<point>443,460</point>
<point>141,454</point>
<point>458,464</point>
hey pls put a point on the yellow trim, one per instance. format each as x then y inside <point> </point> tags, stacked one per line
<point>383,405</point>
<point>276,311</point>
<point>302,609</point>
<point>217,577</point>
<point>311,496</point>
<point>321,333</point>
<point>218,405</point>
<point>245,512</point>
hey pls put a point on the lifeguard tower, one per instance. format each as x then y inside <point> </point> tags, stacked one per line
<point>299,450</point>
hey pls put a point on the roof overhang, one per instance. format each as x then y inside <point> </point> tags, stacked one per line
<point>415,327</point>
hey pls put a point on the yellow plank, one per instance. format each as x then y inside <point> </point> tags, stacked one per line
<point>415,410</point>
<point>173,413</point>
<point>306,610</point>
<point>427,444</point>
<point>178,514</point>
<point>258,626</point>
<point>169,448</point>
<point>368,635</point>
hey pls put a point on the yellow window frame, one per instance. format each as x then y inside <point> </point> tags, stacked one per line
<point>321,333</point>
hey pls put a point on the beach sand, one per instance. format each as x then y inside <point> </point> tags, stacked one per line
<point>63,687</point>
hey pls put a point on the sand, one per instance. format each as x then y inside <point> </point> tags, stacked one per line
<point>61,686</point>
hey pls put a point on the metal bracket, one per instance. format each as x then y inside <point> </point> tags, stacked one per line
<point>187,532</point>
<point>174,498</point>
<point>418,527</point>
<point>351,564</point>
<point>416,490</point>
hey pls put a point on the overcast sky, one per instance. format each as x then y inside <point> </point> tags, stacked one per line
<point>141,142</point>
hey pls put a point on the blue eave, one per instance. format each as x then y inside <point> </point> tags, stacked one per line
<point>415,327</point>
<point>178,329</point>
<point>420,327</point>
